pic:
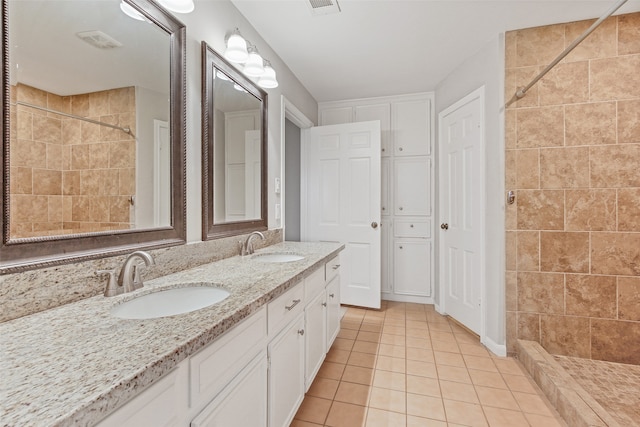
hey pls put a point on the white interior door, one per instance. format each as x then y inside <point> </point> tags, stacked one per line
<point>340,202</point>
<point>461,142</point>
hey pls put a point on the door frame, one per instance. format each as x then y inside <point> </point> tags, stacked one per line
<point>441,306</point>
<point>288,111</point>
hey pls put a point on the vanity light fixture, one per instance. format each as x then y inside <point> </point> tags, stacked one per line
<point>178,6</point>
<point>241,52</point>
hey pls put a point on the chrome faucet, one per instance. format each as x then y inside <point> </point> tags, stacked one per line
<point>247,247</point>
<point>129,277</point>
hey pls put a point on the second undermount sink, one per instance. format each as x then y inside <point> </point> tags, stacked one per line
<point>169,302</point>
<point>277,257</point>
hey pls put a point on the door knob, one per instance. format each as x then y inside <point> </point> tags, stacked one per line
<point>374,224</point>
<point>444,226</point>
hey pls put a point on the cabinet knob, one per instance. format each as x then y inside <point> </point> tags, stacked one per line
<point>411,226</point>
<point>400,149</point>
<point>400,208</point>
<point>383,150</point>
<point>324,304</point>
<point>301,331</point>
<point>400,247</point>
<point>332,295</point>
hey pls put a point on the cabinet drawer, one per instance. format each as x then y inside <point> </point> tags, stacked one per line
<point>217,364</point>
<point>313,284</point>
<point>420,228</point>
<point>332,268</point>
<point>285,307</point>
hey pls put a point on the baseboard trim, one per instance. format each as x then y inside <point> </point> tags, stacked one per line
<point>494,347</point>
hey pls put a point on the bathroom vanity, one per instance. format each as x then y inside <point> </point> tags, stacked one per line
<point>246,360</point>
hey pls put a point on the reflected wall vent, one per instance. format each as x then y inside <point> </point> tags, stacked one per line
<point>323,7</point>
<point>99,39</point>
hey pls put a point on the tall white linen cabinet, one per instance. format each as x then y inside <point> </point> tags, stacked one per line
<point>407,226</point>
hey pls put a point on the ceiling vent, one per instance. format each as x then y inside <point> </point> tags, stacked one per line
<point>99,39</point>
<point>323,7</point>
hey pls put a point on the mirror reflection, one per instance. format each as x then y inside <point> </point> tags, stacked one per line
<point>237,152</point>
<point>90,140</point>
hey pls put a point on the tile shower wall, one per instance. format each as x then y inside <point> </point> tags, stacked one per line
<point>573,158</point>
<point>67,175</point>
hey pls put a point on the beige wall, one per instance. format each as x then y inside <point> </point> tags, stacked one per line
<point>67,175</point>
<point>573,158</point>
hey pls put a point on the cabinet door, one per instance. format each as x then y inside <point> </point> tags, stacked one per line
<point>412,186</point>
<point>410,121</point>
<point>286,373</point>
<point>336,116</point>
<point>315,328</point>
<point>381,112</point>
<point>386,252</point>
<point>412,267</point>
<point>385,175</point>
<point>229,408</point>
<point>334,312</point>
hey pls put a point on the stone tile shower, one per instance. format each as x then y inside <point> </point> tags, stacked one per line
<point>67,175</point>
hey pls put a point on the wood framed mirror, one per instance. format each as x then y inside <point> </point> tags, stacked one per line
<point>234,150</point>
<point>93,130</point>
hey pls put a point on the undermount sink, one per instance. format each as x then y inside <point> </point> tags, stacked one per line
<point>277,257</point>
<point>169,302</point>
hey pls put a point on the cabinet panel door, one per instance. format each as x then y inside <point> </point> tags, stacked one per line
<point>385,175</point>
<point>386,263</point>
<point>411,127</point>
<point>412,186</point>
<point>286,373</point>
<point>315,328</point>
<point>381,112</point>
<point>336,116</point>
<point>412,268</point>
<point>229,408</point>
<point>334,312</point>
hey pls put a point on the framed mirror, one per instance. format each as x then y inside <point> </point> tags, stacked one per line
<point>93,130</point>
<point>234,150</point>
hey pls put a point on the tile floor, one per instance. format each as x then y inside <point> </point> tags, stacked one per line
<point>407,366</point>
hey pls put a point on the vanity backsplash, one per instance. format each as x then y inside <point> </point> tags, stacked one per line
<point>33,291</point>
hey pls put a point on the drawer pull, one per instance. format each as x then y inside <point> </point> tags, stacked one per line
<point>411,226</point>
<point>335,267</point>
<point>301,331</point>
<point>295,302</point>
<point>332,295</point>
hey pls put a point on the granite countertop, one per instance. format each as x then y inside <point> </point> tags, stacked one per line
<point>74,364</point>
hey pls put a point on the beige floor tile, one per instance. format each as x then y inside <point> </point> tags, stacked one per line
<point>419,316</point>
<point>442,336</point>
<point>473,349</point>
<point>350,324</point>
<point>543,421</point>
<point>369,336</point>
<point>392,364</point>
<point>496,397</point>
<point>392,339</point>
<point>395,322</point>
<point>372,324</point>
<point>466,338</point>
<point>416,324</point>
<point>499,417</point>
<point>413,421</point>
<point>464,413</point>
<point>342,344</point>
<point>392,350</point>
<point>458,391</point>
<point>487,379</point>
<point>449,346</point>
<point>365,347</point>
<point>358,394</point>
<point>381,418</point>
<point>418,342</point>
<point>532,404</point>
<point>453,373</point>
<point>425,406</point>
<point>346,415</point>
<point>365,360</point>
<point>393,330</point>
<point>298,423</point>
<point>438,325</point>
<point>423,385</point>
<point>358,375</point>
<point>480,363</point>
<point>508,366</point>
<point>337,356</point>
<point>331,370</point>
<point>349,334</point>
<point>314,409</point>
<point>420,354</point>
<point>324,388</point>
<point>417,333</point>
<point>423,369</point>
<point>449,359</point>
<point>388,379</point>
<point>389,400</point>
<point>520,383</point>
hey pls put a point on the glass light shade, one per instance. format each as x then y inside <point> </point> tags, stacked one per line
<point>178,6</point>
<point>236,50</point>
<point>254,66</point>
<point>130,11</point>
<point>268,79</point>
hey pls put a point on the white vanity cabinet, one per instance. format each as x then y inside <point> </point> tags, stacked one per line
<point>315,314</point>
<point>334,311</point>
<point>407,183</point>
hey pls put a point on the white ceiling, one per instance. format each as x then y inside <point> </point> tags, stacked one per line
<point>387,47</point>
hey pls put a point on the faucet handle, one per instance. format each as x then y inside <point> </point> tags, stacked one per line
<point>137,282</point>
<point>112,288</point>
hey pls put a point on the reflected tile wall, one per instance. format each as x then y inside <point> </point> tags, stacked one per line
<point>55,158</point>
<point>573,156</point>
